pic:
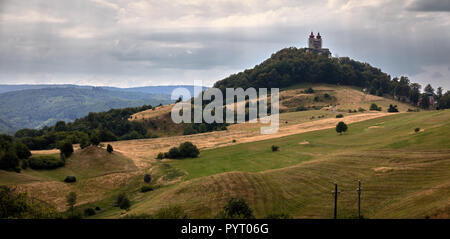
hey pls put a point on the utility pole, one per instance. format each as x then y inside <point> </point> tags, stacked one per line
<point>335,192</point>
<point>359,198</point>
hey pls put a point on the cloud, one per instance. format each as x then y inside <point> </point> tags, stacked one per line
<point>430,5</point>
<point>120,42</point>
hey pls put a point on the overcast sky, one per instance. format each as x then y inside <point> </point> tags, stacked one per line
<point>136,43</point>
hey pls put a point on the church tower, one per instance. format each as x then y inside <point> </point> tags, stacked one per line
<point>311,40</point>
<point>318,41</point>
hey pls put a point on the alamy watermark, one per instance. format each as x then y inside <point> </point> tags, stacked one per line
<point>236,102</point>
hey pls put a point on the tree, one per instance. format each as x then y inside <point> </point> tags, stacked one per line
<point>71,200</point>
<point>188,150</point>
<point>123,202</point>
<point>147,178</point>
<point>425,101</point>
<point>95,139</point>
<point>341,127</point>
<point>237,208</point>
<point>439,92</point>
<point>66,148</point>
<point>392,108</point>
<point>374,106</point>
<point>109,148</point>
<point>22,151</point>
<point>428,89</point>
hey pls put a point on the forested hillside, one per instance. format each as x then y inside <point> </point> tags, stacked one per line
<point>36,108</point>
<point>292,66</point>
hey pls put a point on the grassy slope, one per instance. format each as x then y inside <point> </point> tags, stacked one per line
<point>404,174</point>
<point>344,98</point>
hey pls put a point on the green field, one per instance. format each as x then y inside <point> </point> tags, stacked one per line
<point>404,174</point>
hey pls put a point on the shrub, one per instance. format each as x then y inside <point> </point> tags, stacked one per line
<point>392,109</point>
<point>89,212</point>
<point>146,188</point>
<point>70,179</point>
<point>123,202</point>
<point>97,208</point>
<point>340,116</point>
<point>95,139</point>
<point>188,150</point>
<point>374,106</point>
<point>275,148</point>
<point>326,96</point>
<point>341,127</point>
<point>173,153</point>
<point>45,162</point>
<point>185,150</point>
<point>109,148</point>
<point>66,148</point>
<point>301,108</point>
<point>147,178</point>
<point>236,209</point>
<point>417,130</point>
<point>160,155</point>
<point>309,90</point>
<point>22,151</point>
<point>361,109</point>
<point>233,141</point>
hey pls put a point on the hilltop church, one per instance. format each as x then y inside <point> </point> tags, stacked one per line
<point>315,45</point>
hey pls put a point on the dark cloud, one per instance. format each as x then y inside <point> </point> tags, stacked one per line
<point>120,42</point>
<point>430,5</point>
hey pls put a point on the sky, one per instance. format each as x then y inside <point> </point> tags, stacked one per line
<point>138,43</point>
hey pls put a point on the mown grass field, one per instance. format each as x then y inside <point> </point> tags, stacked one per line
<point>404,174</point>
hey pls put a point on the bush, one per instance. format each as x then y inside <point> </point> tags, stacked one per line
<point>66,148</point>
<point>392,109</point>
<point>188,150</point>
<point>185,150</point>
<point>146,188</point>
<point>375,107</point>
<point>173,153</point>
<point>233,141</point>
<point>97,208</point>
<point>341,127</point>
<point>95,139</point>
<point>361,109</point>
<point>236,209</point>
<point>89,212</point>
<point>70,179</point>
<point>45,162</point>
<point>123,202</point>
<point>275,148</point>
<point>147,178</point>
<point>340,116</point>
<point>22,151</point>
<point>417,130</point>
<point>309,90</point>
<point>160,155</point>
<point>109,148</point>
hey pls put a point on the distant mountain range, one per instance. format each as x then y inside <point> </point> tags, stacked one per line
<point>162,89</point>
<point>36,106</point>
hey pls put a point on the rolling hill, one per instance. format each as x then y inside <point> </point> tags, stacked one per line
<point>35,108</point>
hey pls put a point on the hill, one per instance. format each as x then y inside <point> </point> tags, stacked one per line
<point>404,174</point>
<point>35,108</point>
<point>326,97</point>
<point>291,66</point>
<point>98,174</point>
